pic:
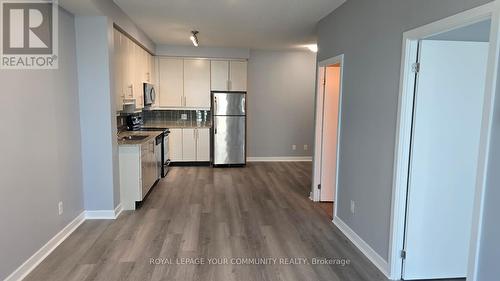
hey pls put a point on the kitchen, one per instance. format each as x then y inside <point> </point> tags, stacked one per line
<point>174,111</point>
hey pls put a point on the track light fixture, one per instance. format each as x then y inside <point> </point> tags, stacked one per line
<point>194,38</point>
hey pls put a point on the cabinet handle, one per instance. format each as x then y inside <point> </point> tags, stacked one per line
<point>131,87</point>
<point>215,105</point>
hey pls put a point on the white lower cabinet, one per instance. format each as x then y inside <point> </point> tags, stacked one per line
<point>138,172</point>
<point>175,145</point>
<point>203,144</point>
<point>189,145</point>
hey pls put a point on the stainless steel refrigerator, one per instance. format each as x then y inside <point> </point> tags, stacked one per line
<point>229,128</point>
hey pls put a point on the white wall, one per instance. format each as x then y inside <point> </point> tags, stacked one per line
<point>40,162</point>
<point>281,86</point>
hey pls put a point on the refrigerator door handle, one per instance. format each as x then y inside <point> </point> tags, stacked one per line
<point>215,126</point>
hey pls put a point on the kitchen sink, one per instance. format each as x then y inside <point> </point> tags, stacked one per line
<point>134,137</point>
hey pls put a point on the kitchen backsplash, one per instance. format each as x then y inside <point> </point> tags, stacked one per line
<point>178,117</point>
<point>169,118</point>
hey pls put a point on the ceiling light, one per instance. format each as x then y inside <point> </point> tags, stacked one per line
<point>312,47</point>
<point>194,38</point>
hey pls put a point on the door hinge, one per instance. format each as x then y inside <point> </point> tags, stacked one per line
<point>319,186</point>
<point>403,254</point>
<point>415,68</point>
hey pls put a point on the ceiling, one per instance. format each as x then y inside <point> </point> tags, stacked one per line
<point>258,24</point>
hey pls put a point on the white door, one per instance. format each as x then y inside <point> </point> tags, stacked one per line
<point>197,83</point>
<point>171,73</point>
<point>203,144</point>
<point>238,76</point>
<point>444,152</point>
<point>329,141</point>
<point>188,145</point>
<point>175,145</point>
<point>219,75</point>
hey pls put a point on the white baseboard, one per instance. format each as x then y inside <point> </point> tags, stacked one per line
<point>280,159</point>
<point>373,256</point>
<point>118,210</point>
<point>104,214</point>
<point>22,271</point>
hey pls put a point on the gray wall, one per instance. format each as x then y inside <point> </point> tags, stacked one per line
<point>40,153</point>
<point>281,88</point>
<point>369,33</point>
<point>97,113</point>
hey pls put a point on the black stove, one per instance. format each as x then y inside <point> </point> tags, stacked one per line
<point>136,123</point>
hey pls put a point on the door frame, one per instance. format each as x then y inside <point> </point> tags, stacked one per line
<point>318,136</point>
<point>404,125</point>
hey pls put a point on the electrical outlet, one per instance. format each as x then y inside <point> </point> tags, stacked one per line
<point>306,147</point>
<point>60,206</point>
<point>294,147</point>
<point>184,116</point>
<point>353,206</point>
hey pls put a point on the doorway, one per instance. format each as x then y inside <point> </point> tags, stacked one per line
<point>445,96</point>
<point>327,133</point>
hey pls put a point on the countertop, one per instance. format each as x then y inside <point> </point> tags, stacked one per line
<point>178,124</point>
<point>150,135</point>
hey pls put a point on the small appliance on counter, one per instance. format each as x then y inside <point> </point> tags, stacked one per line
<point>149,94</point>
<point>229,128</point>
<point>136,123</point>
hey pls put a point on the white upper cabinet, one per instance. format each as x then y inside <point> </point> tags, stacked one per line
<point>171,82</point>
<point>118,69</point>
<point>138,70</point>
<point>196,83</point>
<point>238,76</point>
<point>128,65</point>
<point>132,66</point>
<point>188,82</point>
<point>219,72</point>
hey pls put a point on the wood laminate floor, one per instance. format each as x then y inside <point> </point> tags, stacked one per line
<point>327,208</point>
<point>199,213</point>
